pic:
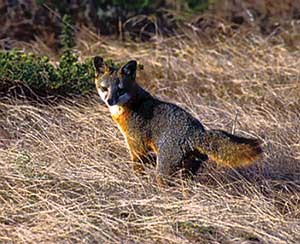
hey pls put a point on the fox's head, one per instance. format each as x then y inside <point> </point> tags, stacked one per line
<point>114,85</point>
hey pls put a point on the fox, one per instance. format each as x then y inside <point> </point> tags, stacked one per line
<point>150,126</point>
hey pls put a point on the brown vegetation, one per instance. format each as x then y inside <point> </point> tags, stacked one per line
<point>66,175</point>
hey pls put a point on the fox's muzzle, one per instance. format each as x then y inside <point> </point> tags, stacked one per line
<point>111,102</point>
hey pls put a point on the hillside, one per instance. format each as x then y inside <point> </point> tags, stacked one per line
<point>66,175</point>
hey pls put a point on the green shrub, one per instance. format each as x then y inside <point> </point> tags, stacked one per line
<point>67,37</point>
<point>42,77</point>
<point>199,5</point>
<point>70,77</point>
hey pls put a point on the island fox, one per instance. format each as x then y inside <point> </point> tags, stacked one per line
<point>148,124</point>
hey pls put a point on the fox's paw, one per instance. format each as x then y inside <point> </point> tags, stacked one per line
<point>138,168</point>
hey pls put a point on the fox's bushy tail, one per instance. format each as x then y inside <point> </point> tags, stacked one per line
<point>229,150</point>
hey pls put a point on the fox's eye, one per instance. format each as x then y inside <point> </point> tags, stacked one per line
<point>103,88</point>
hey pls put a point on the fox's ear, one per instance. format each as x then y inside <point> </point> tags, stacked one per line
<point>129,69</point>
<point>99,64</point>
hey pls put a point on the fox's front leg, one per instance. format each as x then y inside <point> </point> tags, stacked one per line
<point>137,166</point>
<point>138,157</point>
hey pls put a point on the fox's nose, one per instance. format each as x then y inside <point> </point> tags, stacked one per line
<point>110,102</point>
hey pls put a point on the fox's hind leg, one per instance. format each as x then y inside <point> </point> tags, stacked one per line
<point>192,162</point>
<point>169,161</point>
<point>172,159</point>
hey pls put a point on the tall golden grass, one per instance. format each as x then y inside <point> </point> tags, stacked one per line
<point>65,172</point>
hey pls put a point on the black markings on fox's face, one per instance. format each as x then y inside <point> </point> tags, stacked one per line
<point>114,85</point>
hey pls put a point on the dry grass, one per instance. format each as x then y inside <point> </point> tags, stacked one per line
<point>66,175</point>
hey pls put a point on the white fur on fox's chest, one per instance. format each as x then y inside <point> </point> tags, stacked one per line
<point>116,110</point>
